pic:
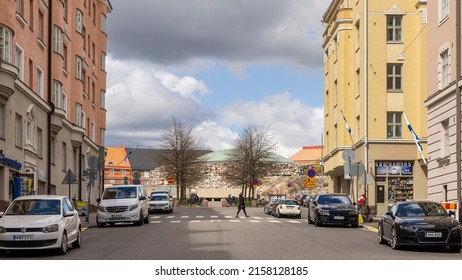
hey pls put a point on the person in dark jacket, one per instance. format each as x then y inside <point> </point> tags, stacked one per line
<point>241,205</point>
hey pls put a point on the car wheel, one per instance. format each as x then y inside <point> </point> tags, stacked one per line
<point>78,242</point>
<point>278,214</point>
<point>140,221</point>
<point>394,239</point>
<point>64,243</point>
<point>112,224</point>
<point>317,222</point>
<point>354,225</point>
<point>309,218</point>
<point>100,224</point>
<point>455,249</point>
<point>380,235</point>
<point>171,210</point>
<point>265,211</point>
<point>299,216</point>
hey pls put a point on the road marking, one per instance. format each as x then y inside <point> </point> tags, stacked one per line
<point>184,217</point>
<point>169,217</point>
<point>155,222</point>
<point>258,218</point>
<point>274,221</point>
<point>83,229</point>
<point>228,217</point>
<point>270,218</point>
<point>254,221</point>
<point>199,217</point>
<point>215,221</point>
<point>295,222</point>
<point>214,217</point>
<point>195,221</point>
<point>234,221</point>
<point>154,217</point>
<point>175,222</point>
<point>374,229</point>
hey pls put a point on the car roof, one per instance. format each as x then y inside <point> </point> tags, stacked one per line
<point>338,194</point>
<point>416,201</point>
<point>41,196</point>
<point>121,186</point>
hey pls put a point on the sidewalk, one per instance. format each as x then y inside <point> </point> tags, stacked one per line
<point>90,222</point>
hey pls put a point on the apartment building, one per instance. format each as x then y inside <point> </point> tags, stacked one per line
<point>443,101</point>
<point>375,61</point>
<point>52,92</point>
<point>117,169</point>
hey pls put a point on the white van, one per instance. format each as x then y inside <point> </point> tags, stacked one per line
<point>123,203</point>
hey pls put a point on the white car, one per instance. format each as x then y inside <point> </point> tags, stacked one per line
<point>40,222</point>
<point>160,202</point>
<point>288,207</point>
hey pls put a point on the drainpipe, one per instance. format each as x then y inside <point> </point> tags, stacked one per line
<point>458,105</point>
<point>366,144</point>
<point>50,84</point>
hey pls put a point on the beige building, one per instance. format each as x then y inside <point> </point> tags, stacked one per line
<point>52,91</point>
<point>444,134</point>
<point>375,72</point>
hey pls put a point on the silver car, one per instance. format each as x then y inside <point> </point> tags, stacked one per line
<point>160,202</point>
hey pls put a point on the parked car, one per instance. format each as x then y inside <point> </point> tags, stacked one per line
<point>160,202</point>
<point>419,223</point>
<point>123,203</point>
<point>268,208</point>
<point>306,200</point>
<point>40,222</point>
<point>288,207</point>
<point>332,209</point>
<point>274,206</point>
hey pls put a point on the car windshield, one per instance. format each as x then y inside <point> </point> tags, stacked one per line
<point>117,193</point>
<point>421,209</point>
<point>159,198</point>
<point>34,207</point>
<point>290,202</point>
<point>334,199</point>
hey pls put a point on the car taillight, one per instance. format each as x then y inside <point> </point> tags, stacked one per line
<point>280,206</point>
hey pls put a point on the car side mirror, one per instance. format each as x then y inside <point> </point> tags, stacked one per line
<point>451,213</point>
<point>68,213</point>
<point>142,197</point>
<point>1,214</point>
<point>98,200</point>
<point>389,213</point>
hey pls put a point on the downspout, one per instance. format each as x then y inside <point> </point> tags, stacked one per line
<point>50,102</point>
<point>366,74</point>
<point>458,106</point>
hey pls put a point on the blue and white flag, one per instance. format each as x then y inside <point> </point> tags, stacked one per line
<point>416,138</point>
<point>348,128</point>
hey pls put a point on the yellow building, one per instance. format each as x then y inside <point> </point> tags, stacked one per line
<point>374,75</point>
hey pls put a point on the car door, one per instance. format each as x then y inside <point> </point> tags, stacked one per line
<point>387,221</point>
<point>71,221</point>
<point>312,206</point>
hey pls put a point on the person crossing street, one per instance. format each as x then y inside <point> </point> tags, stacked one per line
<point>241,206</point>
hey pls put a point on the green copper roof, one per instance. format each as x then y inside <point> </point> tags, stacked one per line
<point>221,156</point>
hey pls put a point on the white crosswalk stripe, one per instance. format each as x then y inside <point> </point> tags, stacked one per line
<point>199,217</point>
<point>155,222</point>
<point>170,217</point>
<point>184,217</point>
<point>218,219</point>
<point>254,221</point>
<point>175,222</point>
<point>214,217</point>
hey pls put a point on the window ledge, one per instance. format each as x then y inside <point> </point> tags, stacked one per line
<point>443,161</point>
<point>21,19</point>
<point>41,44</point>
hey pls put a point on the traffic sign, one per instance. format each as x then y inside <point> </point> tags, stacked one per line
<point>309,182</point>
<point>311,173</point>
<point>170,180</point>
<point>348,155</point>
<point>93,162</point>
<point>70,178</point>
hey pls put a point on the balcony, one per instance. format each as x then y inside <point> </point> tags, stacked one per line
<point>8,74</point>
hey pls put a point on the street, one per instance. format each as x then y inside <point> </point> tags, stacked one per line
<point>216,234</point>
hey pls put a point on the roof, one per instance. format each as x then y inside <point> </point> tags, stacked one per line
<point>308,155</point>
<point>42,196</point>
<point>223,155</point>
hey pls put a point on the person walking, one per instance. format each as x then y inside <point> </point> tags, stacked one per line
<point>240,206</point>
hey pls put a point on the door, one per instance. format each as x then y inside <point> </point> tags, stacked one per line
<point>381,198</point>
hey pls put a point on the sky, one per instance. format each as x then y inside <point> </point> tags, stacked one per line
<point>216,66</point>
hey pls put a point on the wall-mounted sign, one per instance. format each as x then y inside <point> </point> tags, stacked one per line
<point>9,162</point>
<point>393,168</point>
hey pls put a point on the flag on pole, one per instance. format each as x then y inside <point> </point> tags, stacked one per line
<point>348,128</point>
<point>416,138</point>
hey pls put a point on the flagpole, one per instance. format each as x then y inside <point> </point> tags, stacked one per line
<point>416,139</point>
<point>348,128</point>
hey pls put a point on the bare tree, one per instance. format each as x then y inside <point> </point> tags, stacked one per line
<point>249,157</point>
<point>180,154</point>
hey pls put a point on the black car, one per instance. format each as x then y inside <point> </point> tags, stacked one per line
<point>331,208</point>
<point>419,223</point>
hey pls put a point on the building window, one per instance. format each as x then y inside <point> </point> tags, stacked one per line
<point>146,174</point>
<point>57,93</point>
<point>64,156</point>
<point>394,29</point>
<point>102,99</point>
<point>2,120</point>
<point>65,9</point>
<point>444,57</point>
<point>102,137</point>
<point>31,14</point>
<point>445,138</point>
<point>103,23</point>
<point>78,114</point>
<point>53,150</point>
<point>20,7</point>
<point>39,142</point>
<point>444,9</point>
<point>19,61</point>
<point>111,171</point>
<point>394,77</point>
<point>78,68</point>
<point>29,133</point>
<point>5,43</point>
<point>19,131</point>
<point>94,12</point>
<point>93,132</point>
<point>65,57</point>
<point>64,103</point>
<point>57,39</point>
<point>123,172</point>
<point>39,82</point>
<point>103,61</point>
<point>79,21</point>
<point>93,92</point>
<point>40,25</point>
<point>394,125</point>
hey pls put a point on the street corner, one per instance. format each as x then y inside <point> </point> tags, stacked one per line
<point>369,227</point>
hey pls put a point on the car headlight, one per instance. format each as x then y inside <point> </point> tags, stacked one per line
<point>324,212</point>
<point>133,207</point>
<point>354,212</point>
<point>408,228</point>
<point>50,228</point>
<point>101,208</point>
<point>2,230</point>
<point>456,227</point>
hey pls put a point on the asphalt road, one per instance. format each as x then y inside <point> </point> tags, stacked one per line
<point>215,234</point>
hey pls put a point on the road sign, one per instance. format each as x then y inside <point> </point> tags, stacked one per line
<point>309,182</point>
<point>348,155</point>
<point>311,173</point>
<point>170,180</point>
<point>93,162</point>
<point>69,178</point>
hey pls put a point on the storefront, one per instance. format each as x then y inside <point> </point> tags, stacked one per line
<point>394,183</point>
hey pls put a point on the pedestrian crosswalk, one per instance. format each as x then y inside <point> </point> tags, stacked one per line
<point>173,219</point>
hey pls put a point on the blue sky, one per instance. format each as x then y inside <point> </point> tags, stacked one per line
<point>216,66</point>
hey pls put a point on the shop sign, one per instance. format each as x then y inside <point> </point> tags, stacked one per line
<point>393,168</point>
<point>9,162</point>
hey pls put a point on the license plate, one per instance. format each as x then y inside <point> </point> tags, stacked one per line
<point>434,234</point>
<point>290,207</point>
<point>23,237</point>
<point>115,218</point>
<point>339,218</point>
